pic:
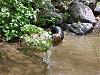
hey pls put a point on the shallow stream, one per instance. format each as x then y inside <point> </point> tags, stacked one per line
<point>77,55</point>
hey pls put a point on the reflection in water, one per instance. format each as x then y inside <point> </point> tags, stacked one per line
<point>77,55</point>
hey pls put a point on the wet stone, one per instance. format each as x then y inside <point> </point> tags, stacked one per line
<point>81,12</point>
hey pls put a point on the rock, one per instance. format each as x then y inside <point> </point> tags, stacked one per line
<point>98,24</point>
<point>97,9</point>
<point>80,28</point>
<point>86,1</point>
<point>81,12</point>
<point>90,3</point>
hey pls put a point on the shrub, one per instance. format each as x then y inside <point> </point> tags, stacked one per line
<point>17,18</point>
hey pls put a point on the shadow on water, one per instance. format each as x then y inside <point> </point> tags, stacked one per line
<point>13,62</point>
<point>77,55</point>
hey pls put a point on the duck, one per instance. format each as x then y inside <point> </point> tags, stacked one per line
<point>57,34</point>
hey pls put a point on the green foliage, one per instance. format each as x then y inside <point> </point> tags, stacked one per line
<point>51,18</point>
<point>40,38</point>
<point>29,29</point>
<point>98,4</point>
<point>14,14</point>
<point>48,20</point>
<point>17,18</point>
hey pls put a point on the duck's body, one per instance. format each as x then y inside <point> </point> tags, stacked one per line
<point>57,34</point>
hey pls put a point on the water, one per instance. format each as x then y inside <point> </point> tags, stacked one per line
<point>77,55</point>
<point>13,62</point>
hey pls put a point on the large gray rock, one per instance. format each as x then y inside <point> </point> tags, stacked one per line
<point>80,28</point>
<point>90,3</point>
<point>81,12</point>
